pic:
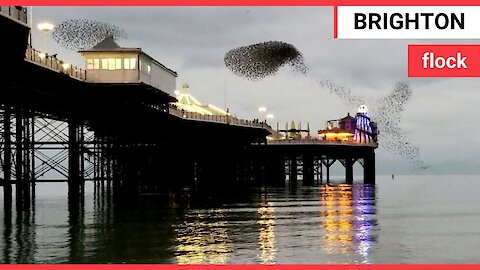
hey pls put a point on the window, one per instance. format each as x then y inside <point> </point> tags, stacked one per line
<point>104,63</point>
<point>96,63</point>
<point>89,63</point>
<point>93,63</point>
<point>129,63</point>
<point>111,63</point>
<point>145,67</point>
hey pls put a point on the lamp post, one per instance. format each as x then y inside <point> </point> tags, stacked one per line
<point>270,116</point>
<point>262,111</point>
<point>45,28</point>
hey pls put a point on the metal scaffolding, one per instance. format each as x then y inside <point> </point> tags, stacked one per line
<point>37,148</point>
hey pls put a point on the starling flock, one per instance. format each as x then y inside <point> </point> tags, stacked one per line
<point>257,61</point>
<point>386,113</point>
<point>80,34</point>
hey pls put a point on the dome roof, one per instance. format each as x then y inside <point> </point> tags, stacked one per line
<point>189,103</point>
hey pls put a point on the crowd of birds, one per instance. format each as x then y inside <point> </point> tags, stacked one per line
<point>80,34</point>
<point>257,61</point>
<point>386,113</point>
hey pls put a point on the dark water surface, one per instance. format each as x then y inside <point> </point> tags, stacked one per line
<point>412,219</point>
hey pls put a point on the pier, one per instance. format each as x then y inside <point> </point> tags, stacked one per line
<point>312,159</point>
<point>61,123</point>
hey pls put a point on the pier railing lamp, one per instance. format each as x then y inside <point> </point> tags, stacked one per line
<point>66,66</point>
<point>45,28</point>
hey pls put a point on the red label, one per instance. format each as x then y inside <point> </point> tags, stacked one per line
<point>443,60</point>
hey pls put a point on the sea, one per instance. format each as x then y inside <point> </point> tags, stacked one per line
<point>409,219</point>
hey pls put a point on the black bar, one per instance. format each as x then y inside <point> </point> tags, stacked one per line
<point>19,159</point>
<point>7,170</point>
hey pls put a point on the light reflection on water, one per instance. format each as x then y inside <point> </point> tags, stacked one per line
<point>203,238</point>
<point>348,219</point>
<point>409,220</point>
<point>266,231</point>
<point>212,231</point>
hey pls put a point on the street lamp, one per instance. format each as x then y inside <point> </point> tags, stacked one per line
<point>45,28</point>
<point>270,116</point>
<point>262,111</point>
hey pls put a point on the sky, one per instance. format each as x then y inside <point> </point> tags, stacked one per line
<point>440,117</point>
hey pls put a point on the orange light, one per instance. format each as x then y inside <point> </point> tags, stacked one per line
<point>335,136</point>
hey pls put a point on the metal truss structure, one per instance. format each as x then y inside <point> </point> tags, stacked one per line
<point>37,148</point>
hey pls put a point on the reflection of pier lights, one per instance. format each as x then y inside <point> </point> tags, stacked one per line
<point>364,209</point>
<point>337,213</point>
<point>346,219</point>
<point>266,234</point>
<point>203,241</point>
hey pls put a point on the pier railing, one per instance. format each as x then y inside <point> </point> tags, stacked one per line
<point>53,63</point>
<point>229,120</point>
<point>319,142</point>
<point>15,12</point>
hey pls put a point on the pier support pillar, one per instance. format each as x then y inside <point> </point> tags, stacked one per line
<point>216,172</point>
<point>187,175</point>
<point>369,168</point>
<point>293,176</point>
<point>275,170</point>
<point>259,171</point>
<point>320,170</point>
<point>22,159</point>
<point>7,161</point>
<point>349,170</point>
<point>75,166</point>
<point>308,170</point>
<point>32,157</point>
<point>242,171</point>
<point>328,162</point>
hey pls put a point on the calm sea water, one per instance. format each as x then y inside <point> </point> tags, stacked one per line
<point>412,219</point>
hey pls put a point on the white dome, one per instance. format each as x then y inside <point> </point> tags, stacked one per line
<point>362,109</point>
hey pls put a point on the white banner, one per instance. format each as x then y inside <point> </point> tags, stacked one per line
<point>408,22</point>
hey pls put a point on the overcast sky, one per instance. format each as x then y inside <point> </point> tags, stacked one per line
<point>440,117</point>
